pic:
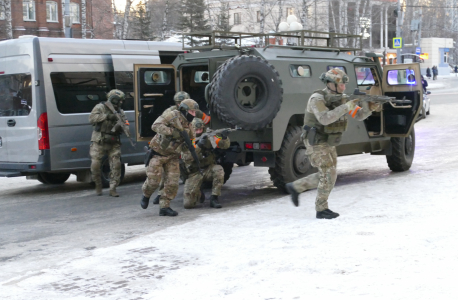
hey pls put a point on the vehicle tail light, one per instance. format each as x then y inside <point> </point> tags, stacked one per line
<point>265,146</point>
<point>50,59</point>
<point>248,145</point>
<point>43,132</point>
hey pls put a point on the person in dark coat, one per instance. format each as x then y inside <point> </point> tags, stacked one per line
<point>428,73</point>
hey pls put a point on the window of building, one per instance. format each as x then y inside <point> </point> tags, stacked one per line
<point>446,57</point>
<point>289,11</point>
<point>28,10</point>
<point>237,19</point>
<point>75,13</point>
<point>2,12</point>
<point>51,11</point>
<point>258,16</point>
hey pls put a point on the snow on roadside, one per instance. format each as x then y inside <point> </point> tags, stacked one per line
<point>395,239</point>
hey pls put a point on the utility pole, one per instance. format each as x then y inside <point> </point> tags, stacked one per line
<point>398,32</point>
<point>67,20</point>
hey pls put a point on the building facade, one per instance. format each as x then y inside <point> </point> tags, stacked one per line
<point>44,18</point>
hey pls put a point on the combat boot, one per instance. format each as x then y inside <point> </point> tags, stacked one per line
<point>98,189</point>
<point>113,191</point>
<point>294,195</point>
<point>202,197</point>
<point>214,202</point>
<point>167,212</point>
<point>156,200</point>
<point>144,203</point>
<point>326,214</point>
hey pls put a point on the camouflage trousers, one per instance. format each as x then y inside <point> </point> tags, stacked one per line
<point>97,151</point>
<point>166,168</point>
<point>323,157</point>
<point>191,195</point>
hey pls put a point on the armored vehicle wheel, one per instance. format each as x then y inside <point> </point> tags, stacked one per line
<point>403,151</point>
<point>291,163</point>
<point>53,178</point>
<point>246,92</point>
<point>106,172</point>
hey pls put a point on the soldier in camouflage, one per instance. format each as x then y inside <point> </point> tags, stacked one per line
<point>178,98</point>
<point>106,142</point>
<point>166,146</point>
<point>211,171</point>
<point>327,111</point>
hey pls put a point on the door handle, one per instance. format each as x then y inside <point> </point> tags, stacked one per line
<point>11,123</point>
<point>153,95</point>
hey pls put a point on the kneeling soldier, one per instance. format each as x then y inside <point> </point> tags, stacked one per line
<point>211,171</point>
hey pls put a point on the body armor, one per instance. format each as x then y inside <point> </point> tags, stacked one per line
<point>330,133</point>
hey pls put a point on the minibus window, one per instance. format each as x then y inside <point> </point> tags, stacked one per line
<point>15,95</point>
<point>79,92</point>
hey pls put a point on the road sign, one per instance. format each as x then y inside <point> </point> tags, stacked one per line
<point>397,42</point>
<point>446,50</point>
<point>418,51</point>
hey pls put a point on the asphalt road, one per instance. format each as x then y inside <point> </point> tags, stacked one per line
<point>37,220</point>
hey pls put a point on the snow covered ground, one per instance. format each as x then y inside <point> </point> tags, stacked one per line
<point>396,238</point>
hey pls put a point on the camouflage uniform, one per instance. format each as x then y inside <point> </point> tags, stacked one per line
<point>327,112</point>
<point>211,172</point>
<point>106,142</point>
<point>167,150</point>
<point>178,98</point>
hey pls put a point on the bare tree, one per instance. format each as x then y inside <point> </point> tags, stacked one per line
<point>9,24</point>
<point>126,19</point>
<point>83,19</point>
<point>164,21</point>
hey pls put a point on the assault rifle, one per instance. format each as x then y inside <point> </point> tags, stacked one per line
<point>363,97</point>
<point>120,123</point>
<point>184,135</point>
<point>211,134</point>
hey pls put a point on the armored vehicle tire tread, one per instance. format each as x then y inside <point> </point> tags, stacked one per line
<point>106,172</point>
<point>290,161</point>
<point>257,111</point>
<point>403,151</point>
<point>53,178</point>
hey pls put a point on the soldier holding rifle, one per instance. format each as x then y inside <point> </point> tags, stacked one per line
<point>325,120</point>
<point>108,122</point>
<point>173,130</point>
<point>205,146</point>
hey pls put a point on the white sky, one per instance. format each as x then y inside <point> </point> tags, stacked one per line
<point>121,4</point>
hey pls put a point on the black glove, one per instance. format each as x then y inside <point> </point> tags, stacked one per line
<point>202,142</point>
<point>112,117</point>
<point>224,134</point>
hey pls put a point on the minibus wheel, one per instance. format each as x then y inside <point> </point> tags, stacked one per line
<point>53,178</point>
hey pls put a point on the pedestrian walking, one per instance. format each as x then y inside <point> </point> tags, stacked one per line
<point>428,73</point>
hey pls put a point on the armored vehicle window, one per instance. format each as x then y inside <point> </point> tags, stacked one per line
<point>338,67</point>
<point>300,71</point>
<point>15,95</point>
<point>364,76</point>
<point>79,92</point>
<point>157,78</point>
<point>201,77</point>
<point>401,77</point>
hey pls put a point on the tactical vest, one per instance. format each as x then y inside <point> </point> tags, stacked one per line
<point>106,126</point>
<point>330,133</point>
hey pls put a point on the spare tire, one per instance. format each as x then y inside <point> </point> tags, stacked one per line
<point>246,92</point>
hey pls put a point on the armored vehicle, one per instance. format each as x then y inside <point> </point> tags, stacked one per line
<point>264,91</point>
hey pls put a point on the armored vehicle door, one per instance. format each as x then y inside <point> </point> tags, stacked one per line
<point>402,81</point>
<point>154,87</point>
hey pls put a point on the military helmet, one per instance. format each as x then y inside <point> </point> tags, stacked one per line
<point>114,96</point>
<point>335,76</point>
<point>180,96</point>
<point>197,123</point>
<point>188,104</point>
